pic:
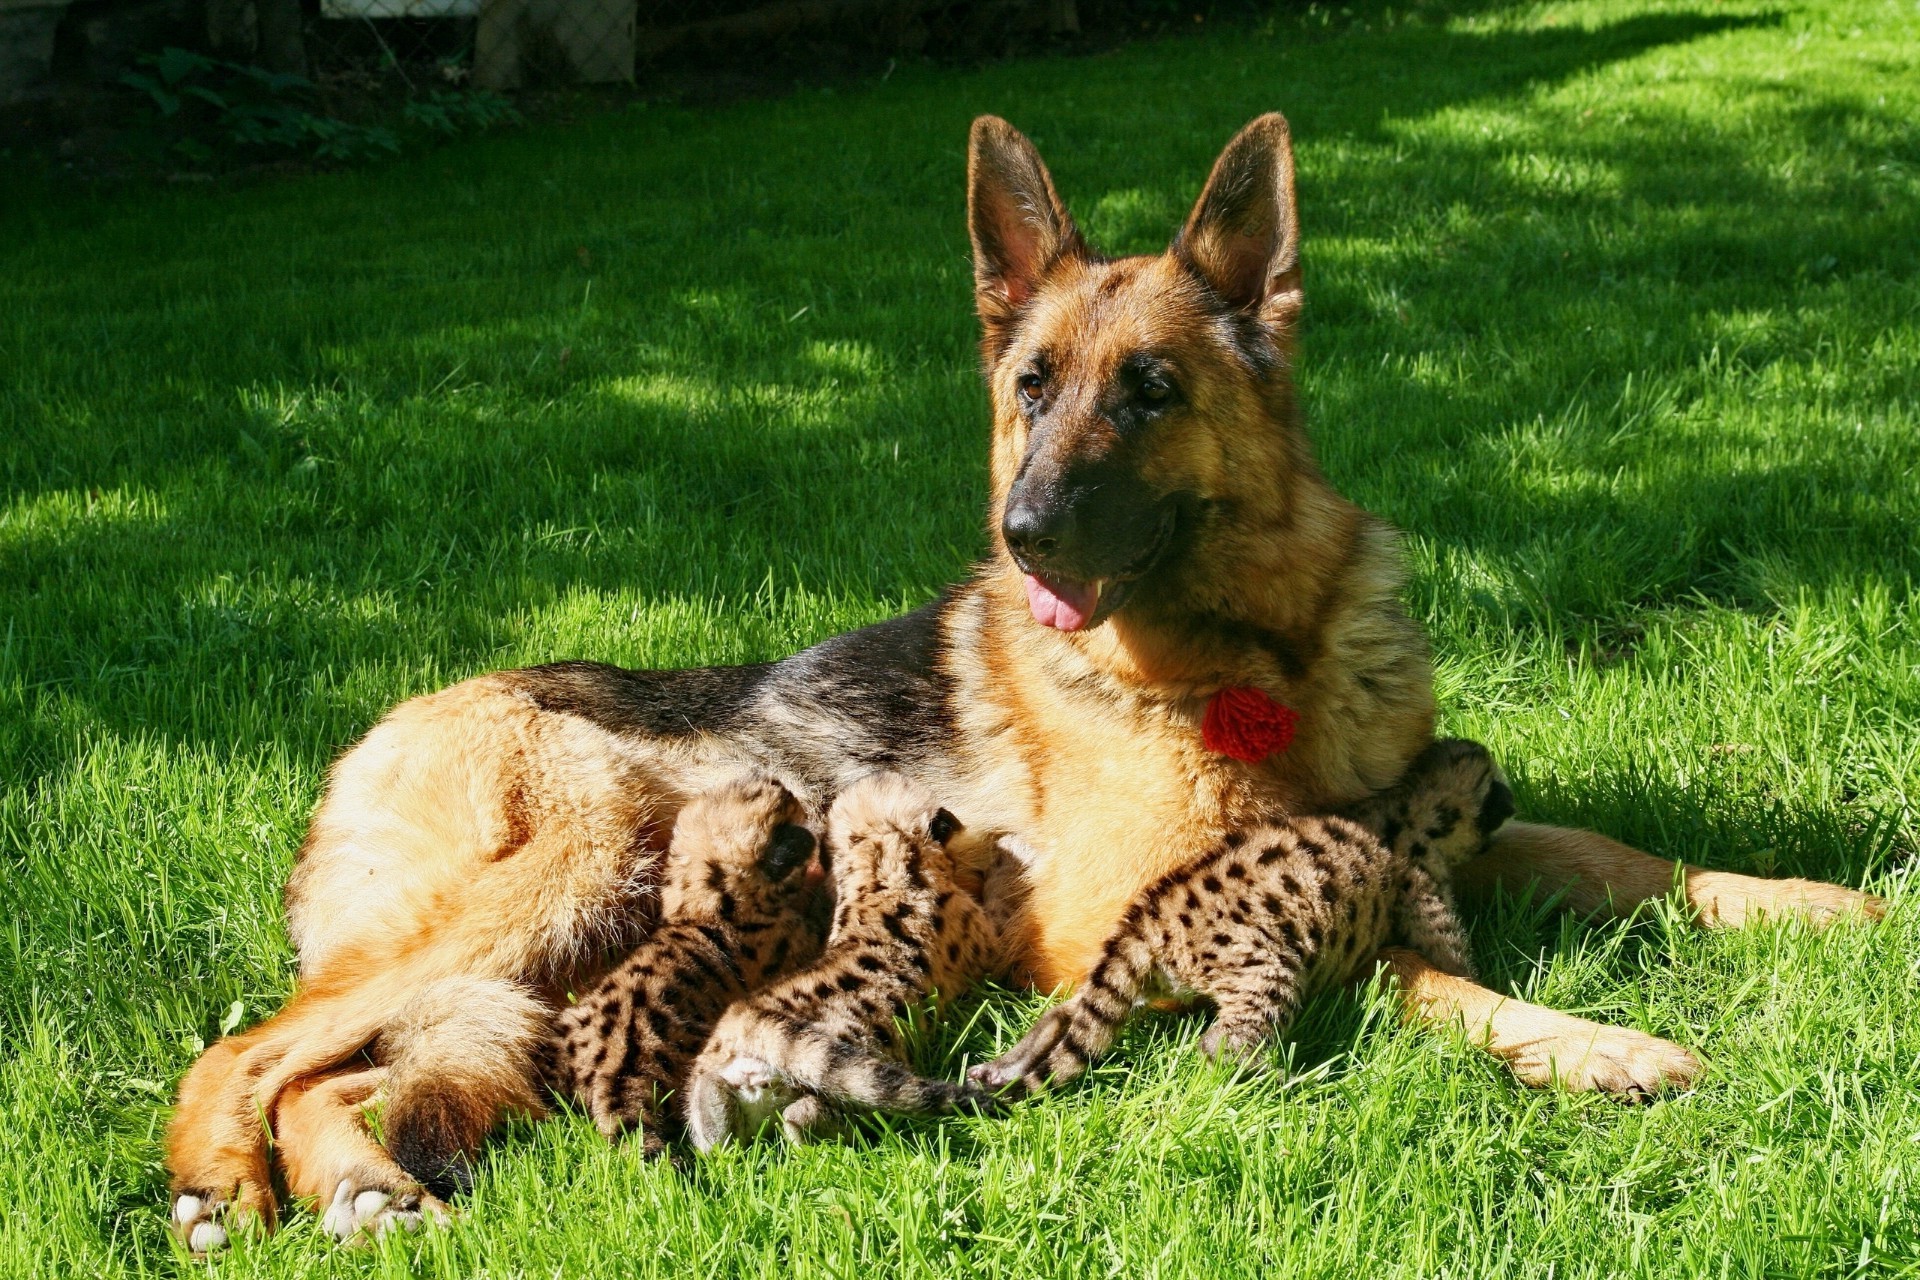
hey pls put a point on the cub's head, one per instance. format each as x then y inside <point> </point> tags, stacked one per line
<point>1451,799</point>
<point>739,853</point>
<point>887,832</point>
<point>1143,408</point>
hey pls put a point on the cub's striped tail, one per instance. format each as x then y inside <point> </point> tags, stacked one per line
<point>742,1081</point>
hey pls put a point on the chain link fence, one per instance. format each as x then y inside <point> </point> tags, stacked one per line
<point>79,70</point>
<point>504,45</point>
<point>490,44</point>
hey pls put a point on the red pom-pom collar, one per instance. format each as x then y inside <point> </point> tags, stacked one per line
<point>1243,722</point>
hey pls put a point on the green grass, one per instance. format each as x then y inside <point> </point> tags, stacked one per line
<point>1614,307</point>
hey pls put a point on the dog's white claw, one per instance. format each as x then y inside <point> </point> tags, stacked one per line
<point>207,1237</point>
<point>401,1219</point>
<point>366,1213</point>
<point>196,1218</point>
<point>339,1220</point>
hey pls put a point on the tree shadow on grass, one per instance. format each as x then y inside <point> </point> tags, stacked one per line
<point>252,432</point>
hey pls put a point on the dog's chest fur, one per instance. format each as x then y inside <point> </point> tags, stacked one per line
<point>1046,747</point>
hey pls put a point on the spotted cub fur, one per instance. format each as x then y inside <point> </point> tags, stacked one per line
<point>829,1035</point>
<point>732,916</point>
<point>1279,911</point>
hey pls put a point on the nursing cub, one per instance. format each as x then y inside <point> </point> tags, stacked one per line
<point>735,1006</point>
<point>1276,912</point>
<point>829,1035</point>
<point>733,915</point>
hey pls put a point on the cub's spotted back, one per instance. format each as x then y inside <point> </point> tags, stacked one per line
<point>829,1035</point>
<point>1279,911</point>
<point>733,914</point>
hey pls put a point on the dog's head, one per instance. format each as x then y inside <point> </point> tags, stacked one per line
<point>1143,407</point>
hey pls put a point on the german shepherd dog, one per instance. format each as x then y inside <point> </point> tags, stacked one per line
<point>1160,533</point>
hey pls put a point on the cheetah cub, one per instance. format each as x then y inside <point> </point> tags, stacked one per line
<point>732,916</point>
<point>828,1035</point>
<point>1279,911</point>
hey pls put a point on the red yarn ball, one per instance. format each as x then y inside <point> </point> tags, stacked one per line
<point>1243,722</point>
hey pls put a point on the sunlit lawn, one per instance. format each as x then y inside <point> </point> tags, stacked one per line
<point>1614,307</point>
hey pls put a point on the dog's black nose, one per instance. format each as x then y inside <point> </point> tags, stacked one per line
<point>1033,530</point>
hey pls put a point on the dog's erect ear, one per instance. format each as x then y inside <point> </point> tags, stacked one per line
<point>1018,225</point>
<point>1243,236</point>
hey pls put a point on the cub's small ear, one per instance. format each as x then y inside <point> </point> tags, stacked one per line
<point>1018,225</point>
<point>943,826</point>
<point>789,848</point>
<point>1497,807</point>
<point>1243,236</point>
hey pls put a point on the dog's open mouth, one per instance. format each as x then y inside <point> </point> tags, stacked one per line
<point>1067,605</point>
<point>1061,604</point>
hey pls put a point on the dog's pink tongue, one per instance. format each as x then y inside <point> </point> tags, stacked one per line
<point>1064,606</point>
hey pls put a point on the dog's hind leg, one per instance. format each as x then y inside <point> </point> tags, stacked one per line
<point>1543,1046</point>
<point>1601,875</point>
<point>329,1156</point>
<point>218,1141</point>
<point>217,1147</point>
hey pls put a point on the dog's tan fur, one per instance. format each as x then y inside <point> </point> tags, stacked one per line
<point>484,834</point>
<point>468,839</point>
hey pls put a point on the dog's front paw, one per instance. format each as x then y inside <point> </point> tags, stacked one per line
<point>1728,901</point>
<point>1602,1059</point>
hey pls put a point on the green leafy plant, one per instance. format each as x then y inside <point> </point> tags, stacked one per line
<point>450,113</point>
<point>209,109</point>
<point>211,106</point>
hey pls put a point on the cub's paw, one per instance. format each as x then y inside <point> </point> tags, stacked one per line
<point>1728,901</point>
<point>760,1093</point>
<point>360,1212</point>
<point>1601,1059</point>
<point>734,1101</point>
<point>808,1119</point>
<point>1036,1061</point>
<point>1236,1043</point>
<point>1006,1079</point>
<point>749,1078</point>
<point>207,1221</point>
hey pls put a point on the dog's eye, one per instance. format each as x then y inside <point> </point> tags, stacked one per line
<point>1156,390</point>
<point>1030,387</point>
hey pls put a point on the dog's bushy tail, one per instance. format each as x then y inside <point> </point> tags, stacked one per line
<point>462,1055</point>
